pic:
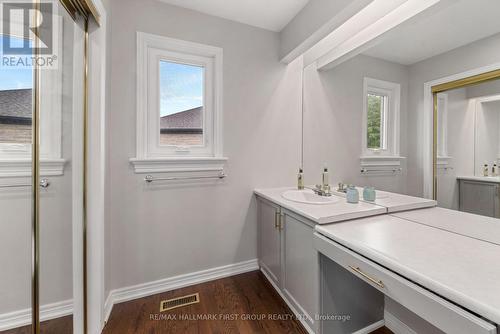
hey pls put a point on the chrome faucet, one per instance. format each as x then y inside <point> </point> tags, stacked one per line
<point>322,190</point>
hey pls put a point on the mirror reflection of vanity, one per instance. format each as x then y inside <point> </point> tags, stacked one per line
<point>468,149</point>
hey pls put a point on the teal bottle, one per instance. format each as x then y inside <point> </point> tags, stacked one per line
<point>352,195</point>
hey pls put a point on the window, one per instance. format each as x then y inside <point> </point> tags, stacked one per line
<point>179,111</point>
<point>16,107</point>
<point>380,136</point>
<point>442,120</point>
<point>16,85</point>
<point>181,104</point>
<point>376,118</point>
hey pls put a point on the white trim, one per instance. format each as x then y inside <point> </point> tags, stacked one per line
<point>374,26</point>
<point>178,165</point>
<point>443,126</point>
<point>396,325</point>
<point>297,314</point>
<point>388,162</point>
<point>329,27</point>
<point>373,327</point>
<point>97,170</point>
<point>167,284</point>
<point>150,48</point>
<point>47,312</point>
<point>77,179</point>
<point>22,167</point>
<point>428,121</point>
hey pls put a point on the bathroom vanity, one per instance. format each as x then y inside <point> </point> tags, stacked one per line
<point>480,195</point>
<point>286,245</point>
<point>341,259</point>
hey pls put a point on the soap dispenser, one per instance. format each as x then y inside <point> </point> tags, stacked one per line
<point>326,178</point>
<point>485,170</point>
<point>300,179</point>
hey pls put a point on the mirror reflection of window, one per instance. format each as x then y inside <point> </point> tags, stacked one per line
<point>181,104</point>
<point>16,85</point>
<point>376,122</point>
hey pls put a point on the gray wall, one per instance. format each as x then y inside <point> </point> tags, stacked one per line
<point>333,121</point>
<point>159,232</point>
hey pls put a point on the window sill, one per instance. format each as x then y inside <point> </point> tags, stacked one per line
<point>443,160</point>
<point>23,167</point>
<point>178,165</point>
<point>379,165</point>
<point>383,160</point>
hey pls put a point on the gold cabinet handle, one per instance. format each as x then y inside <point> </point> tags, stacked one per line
<point>281,224</point>
<point>276,220</point>
<point>379,283</point>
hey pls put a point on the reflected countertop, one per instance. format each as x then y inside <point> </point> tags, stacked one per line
<point>491,179</point>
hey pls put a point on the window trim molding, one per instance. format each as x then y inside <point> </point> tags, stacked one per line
<point>393,91</point>
<point>165,161</point>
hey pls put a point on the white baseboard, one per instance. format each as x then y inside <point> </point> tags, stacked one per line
<point>152,288</point>
<point>371,328</point>
<point>396,325</point>
<point>47,312</point>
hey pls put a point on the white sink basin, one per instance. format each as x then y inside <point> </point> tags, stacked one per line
<point>308,196</point>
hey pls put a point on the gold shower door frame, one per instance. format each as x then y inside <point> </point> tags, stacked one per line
<point>468,81</point>
<point>86,10</point>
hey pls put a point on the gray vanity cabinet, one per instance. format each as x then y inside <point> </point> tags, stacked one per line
<point>481,198</point>
<point>269,240</point>
<point>300,266</point>
<point>288,258</point>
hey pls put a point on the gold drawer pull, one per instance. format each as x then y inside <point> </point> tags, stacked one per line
<point>276,220</point>
<point>374,281</point>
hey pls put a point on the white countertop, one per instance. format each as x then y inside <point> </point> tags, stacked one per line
<point>324,213</point>
<point>492,179</point>
<point>462,269</point>
<point>467,224</point>
<point>396,202</point>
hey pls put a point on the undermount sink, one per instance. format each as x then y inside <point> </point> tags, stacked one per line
<point>307,196</point>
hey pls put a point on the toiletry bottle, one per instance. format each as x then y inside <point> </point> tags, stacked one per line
<point>494,169</point>
<point>352,194</point>
<point>300,179</point>
<point>485,170</point>
<point>326,177</point>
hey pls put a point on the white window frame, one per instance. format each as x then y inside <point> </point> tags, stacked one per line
<point>389,156</point>
<point>16,158</point>
<point>443,160</point>
<point>151,156</point>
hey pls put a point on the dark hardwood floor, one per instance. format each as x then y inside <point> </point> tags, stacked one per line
<point>62,325</point>
<point>243,304</point>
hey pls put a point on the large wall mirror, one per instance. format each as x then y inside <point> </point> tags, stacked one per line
<point>370,117</point>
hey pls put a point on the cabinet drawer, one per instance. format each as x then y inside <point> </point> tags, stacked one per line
<point>436,310</point>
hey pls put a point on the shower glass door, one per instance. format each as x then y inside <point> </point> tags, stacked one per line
<point>60,96</point>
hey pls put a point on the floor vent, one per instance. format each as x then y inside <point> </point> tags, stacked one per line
<point>170,304</point>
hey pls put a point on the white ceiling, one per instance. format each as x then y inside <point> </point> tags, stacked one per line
<point>458,24</point>
<point>268,14</point>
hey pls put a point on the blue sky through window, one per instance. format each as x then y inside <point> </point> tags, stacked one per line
<point>181,87</point>
<point>18,77</point>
